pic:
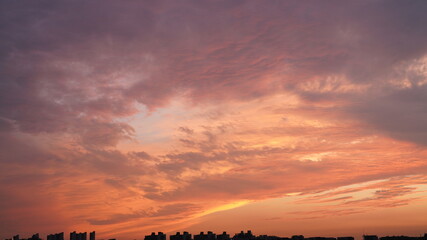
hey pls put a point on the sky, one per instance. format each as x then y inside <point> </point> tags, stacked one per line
<point>282,117</point>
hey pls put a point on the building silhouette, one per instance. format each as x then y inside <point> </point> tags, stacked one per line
<point>78,236</point>
<point>370,237</point>
<point>56,236</point>
<point>223,236</point>
<point>34,237</point>
<point>267,237</point>
<point>202,236</point>
<point>321,238</point>
<point>154,236</point>
<point>399,238</point>
<point>179,236</point>
<point>243,236</point>
<point>297,237</point>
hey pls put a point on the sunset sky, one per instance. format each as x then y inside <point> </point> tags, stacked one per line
<point>282,117</point>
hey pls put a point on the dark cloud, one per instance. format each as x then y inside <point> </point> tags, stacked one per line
<point>143,155</point>
<point>97,133</point>
<point>400,114</point>
<point>60,64</point>
<point>186,130</point>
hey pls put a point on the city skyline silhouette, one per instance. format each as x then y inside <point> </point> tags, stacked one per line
<point>209,235</point>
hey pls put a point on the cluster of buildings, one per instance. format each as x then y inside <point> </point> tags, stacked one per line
<point>80,236</point>
<point>249,236</point>
<point>59,236</point>
<point>212,236</point>
<point>375,237</point>
<point>34,237</point>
